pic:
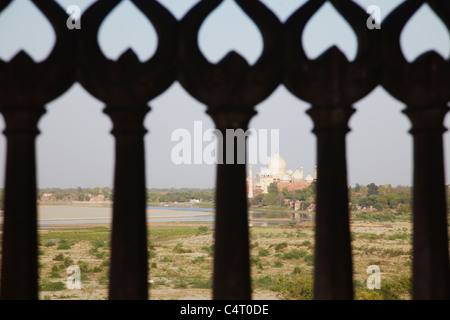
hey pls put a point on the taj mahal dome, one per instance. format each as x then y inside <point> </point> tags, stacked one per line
<point>277,172</point>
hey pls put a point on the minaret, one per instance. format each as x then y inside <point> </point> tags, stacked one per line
<point>250,182</point>
<point>315,173</point>
<point>301,173</point>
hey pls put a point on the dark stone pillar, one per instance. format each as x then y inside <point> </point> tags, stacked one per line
<point>231,279</point>
<point>431,271</point>
<point>126,86</point>
<point>19,279</point>
<point>333,258</point>
<point>231,88</point>
<point>129,259</point>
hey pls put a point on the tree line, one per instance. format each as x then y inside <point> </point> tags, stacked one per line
<point>371,197</point>
<point>381,197</point>
<point>77,194</point>
<point>180,195</point>
<point>276,197</point>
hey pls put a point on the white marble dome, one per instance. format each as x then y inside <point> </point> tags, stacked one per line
<point>297,175</point>
<point>277,165</point>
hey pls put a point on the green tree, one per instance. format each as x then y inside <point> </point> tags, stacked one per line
<point>351,193</point>
<point>257,200</point>
<point>273,188</point>
<point>404,209</point>
<point>372,189</point>
<point>385,189</point>
<point>363,191</point>
<point>286,193</point>
<point>270,199</point>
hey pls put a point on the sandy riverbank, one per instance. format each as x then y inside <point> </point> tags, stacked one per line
<point>100,215</point>
<point>74,215</point>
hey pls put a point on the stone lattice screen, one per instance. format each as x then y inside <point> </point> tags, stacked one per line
<point>231,88</point>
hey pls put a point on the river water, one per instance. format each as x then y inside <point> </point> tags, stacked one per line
<point>71,215</point>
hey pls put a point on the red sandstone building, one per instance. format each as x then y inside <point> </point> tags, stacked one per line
<point>276,171</point>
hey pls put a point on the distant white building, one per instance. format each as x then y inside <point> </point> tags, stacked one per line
<point>277,171</point>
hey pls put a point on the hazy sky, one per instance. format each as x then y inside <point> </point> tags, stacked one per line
<point>75,147</point>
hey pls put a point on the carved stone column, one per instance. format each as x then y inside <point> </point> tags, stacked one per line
<point>25,87</point>
<point>423,85</point>
<point>331,84</point>
<point>129,237</point>
<point>431,278</point>
<point>231,252</point>
<point>333,259</point>
<point>126,85</point>
<point>230,89</point>
<point>19,254</point>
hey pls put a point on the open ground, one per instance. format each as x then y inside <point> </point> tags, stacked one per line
<point>181,260</point>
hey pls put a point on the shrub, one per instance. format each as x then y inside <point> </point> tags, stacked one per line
<point>394,252</point>
<point>201,283</point>
<point>393,289</point>
<point>371,236</point>
<point>307,243</point>
<point>281,246</point>
<point>103,279</point>
<point>399,236</point>
<point>263,252</point>
<point>297,270</point>
<point>105,263</point>
<point>96,253</point>
<point>84,267</point>
<point>181,283</point>
<point>254,244</point>
<point>295,287</point>
<point>49,244</point>
<point>256,261</point>
<point>301,234</point>
<point>84,276</point>
<point>97,269</point>
<point>51,286</point>
<point>278,264</point>
<point>209,250</point>
<point>294,254</point>
<point>166,259</point>
<point>309,259</point>
<point>265,282</point>
<point>198,259</point>
<point>98,243</point>
<point>202,230</point>
<point>179,248</point>
<point>157,283</point>
<point>59,257</point>
<point>67,262</point>
<point>64,245</point>
<point>54,274</point>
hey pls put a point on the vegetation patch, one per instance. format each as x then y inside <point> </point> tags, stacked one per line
<point>281,261</point>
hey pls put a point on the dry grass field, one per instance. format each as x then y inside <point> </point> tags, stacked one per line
<point>181,257</point>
